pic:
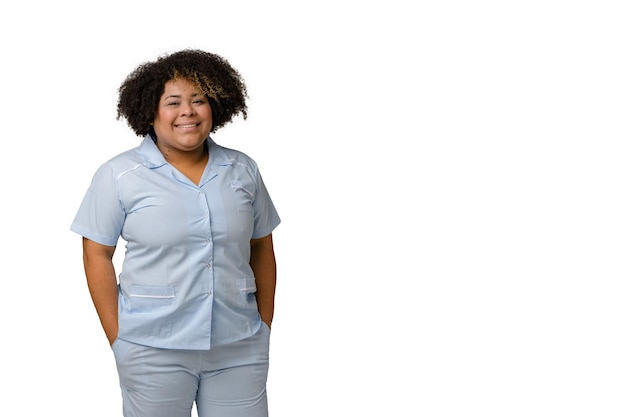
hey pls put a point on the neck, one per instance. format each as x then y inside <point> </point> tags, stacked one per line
<point>187,158</point>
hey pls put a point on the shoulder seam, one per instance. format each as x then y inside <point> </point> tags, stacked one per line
<point>121,174</point>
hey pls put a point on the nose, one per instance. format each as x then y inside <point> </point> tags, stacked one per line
<point>186,109</point>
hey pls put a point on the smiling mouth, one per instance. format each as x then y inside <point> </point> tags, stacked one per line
<point>188,126</point>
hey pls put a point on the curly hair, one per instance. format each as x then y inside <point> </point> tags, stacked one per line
<point>141,91</point>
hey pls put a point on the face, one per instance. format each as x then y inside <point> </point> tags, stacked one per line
<point>183,119</point>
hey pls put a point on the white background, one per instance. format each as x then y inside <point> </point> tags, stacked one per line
<point>450,176</point>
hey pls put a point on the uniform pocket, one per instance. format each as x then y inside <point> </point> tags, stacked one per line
<point>120,350</point>
<point>144,299</point>
<point>247,287</point>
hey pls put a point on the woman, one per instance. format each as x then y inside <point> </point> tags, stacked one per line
<point>189,320</point>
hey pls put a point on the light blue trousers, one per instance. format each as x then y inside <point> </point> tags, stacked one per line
<point>228,380</point>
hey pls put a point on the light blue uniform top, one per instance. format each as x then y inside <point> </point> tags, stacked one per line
<point>186,281</point>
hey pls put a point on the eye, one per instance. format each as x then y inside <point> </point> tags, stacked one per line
<point>199,101</point>
<point>172,103</point>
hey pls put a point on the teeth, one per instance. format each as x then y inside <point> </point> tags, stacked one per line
<point>185,126</point>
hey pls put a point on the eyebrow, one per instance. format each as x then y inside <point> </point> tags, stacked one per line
<point>180,96</point>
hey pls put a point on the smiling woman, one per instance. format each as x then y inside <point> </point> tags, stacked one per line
<point>212,75</point>
<point>189,318</point>
<point>181,126</point>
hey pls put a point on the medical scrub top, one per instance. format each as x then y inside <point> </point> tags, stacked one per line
<point>186,280</point>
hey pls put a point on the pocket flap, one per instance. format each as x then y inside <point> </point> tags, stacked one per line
<point>143,291</point>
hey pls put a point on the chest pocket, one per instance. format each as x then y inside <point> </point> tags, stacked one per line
<point>243,196</point>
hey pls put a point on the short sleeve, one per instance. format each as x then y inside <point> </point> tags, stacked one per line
<point>265,215</point>
<point>101,216</point>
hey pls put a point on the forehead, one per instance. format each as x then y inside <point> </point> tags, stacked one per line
<point>179,86</point>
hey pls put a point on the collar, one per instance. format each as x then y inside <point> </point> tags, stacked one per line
<point>151,155</point>
<point>153,158</point>
<point>217,154</point>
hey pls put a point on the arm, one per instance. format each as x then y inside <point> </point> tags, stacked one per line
<point>102,283</point>
<point>263,265</point>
